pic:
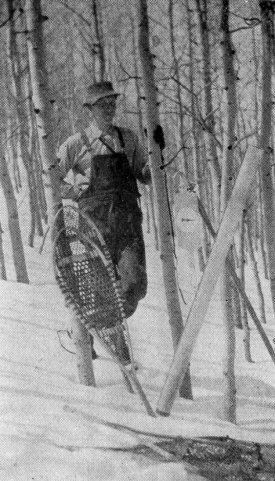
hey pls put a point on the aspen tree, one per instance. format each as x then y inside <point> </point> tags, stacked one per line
<point>99,45</point>
<point>42,101</point>
<point>213,163</point>
<point>198,158</point>
<point>155,140</point>
<point>147,189</point>
<point>229,395</point>
<point>43,105</point>
<point>261,301</point>
<point>176,70</point>
<point>3,274</point>
<point>267,21</point>
<point>11,203</point>
<point>244,318</point>
<point>14,227</point>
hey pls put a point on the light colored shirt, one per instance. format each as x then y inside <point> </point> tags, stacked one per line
<point>75,157</point>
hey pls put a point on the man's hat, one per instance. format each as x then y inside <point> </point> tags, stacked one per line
<point>98,91</point>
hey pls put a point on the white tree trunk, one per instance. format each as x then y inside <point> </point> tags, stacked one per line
<point>208,110</point>
<point>266,131</point>
<point>83,350</point>
<point>3,274</point>
<point>14,227</point>
<point>42,101</point>
<point>229,395</point>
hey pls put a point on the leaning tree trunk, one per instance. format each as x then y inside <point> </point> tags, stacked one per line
<point>43,105</point>
<point>237,203</point>
<point>267,13</point>
<point>155,140</point>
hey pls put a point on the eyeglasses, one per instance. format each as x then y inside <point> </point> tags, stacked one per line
<point>105,103</point>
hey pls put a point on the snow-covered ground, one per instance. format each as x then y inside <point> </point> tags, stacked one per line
<point>53,429</point>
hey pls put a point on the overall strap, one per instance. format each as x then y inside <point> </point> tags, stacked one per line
<point>101,138</point>
<point>120,136</point>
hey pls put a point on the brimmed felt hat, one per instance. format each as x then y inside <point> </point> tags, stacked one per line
<point>99,91</point>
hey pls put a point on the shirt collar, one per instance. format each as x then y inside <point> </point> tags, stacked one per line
<point>94,132</point>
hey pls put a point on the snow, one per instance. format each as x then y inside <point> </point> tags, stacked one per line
<point>53,429</point>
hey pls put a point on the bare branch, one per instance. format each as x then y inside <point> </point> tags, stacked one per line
<point>78,14</point>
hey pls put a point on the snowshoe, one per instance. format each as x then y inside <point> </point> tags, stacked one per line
<point>87,277</point>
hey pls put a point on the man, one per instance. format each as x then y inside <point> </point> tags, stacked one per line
<point>106,162</point>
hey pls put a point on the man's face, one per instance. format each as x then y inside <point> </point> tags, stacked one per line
<point>103,112</point>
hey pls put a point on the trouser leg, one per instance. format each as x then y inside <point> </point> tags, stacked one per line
<point>132,271</point>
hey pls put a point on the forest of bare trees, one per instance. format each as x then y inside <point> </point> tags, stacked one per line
<point>196,78</point>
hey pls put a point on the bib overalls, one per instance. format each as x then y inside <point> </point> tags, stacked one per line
<point>112,201</point>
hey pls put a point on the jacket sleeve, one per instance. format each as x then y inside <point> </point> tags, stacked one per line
<point>66,157</point>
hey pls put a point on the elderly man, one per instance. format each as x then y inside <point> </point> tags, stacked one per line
<point>107,161</point>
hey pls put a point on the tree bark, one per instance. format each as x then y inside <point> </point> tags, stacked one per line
<point>213,163</point>
<point>14,227</point>
<point>198,159</point>
<point>99,47</point>
<point>255,272</point>
<point>42,101</point>
<point>3,274</point>
<point>178,86</point>
<point>21,111</point>
<point>229,398</point>
<point>244,319</point>
<point>267,14</point>
<point>84,363</point>
<point>160,187</point>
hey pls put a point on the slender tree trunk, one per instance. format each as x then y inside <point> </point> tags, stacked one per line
<point>262,228</point>
<point>213,163</point>
<point>12,157</point>
<point>83,350</point>
<point>42,101</point>
<point>14,227</point>
<point>256,272</point>
<point>34,185</point>
<point>229,398</point>
<point>245,325</point>
<point>150,196</point>
<point>3,274</point>
<point>160,187</point>
<point>176,71</point>
<point>267,14</point>
<point>198,159</point>
<point>43,105</point>
<point>99,46</point>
